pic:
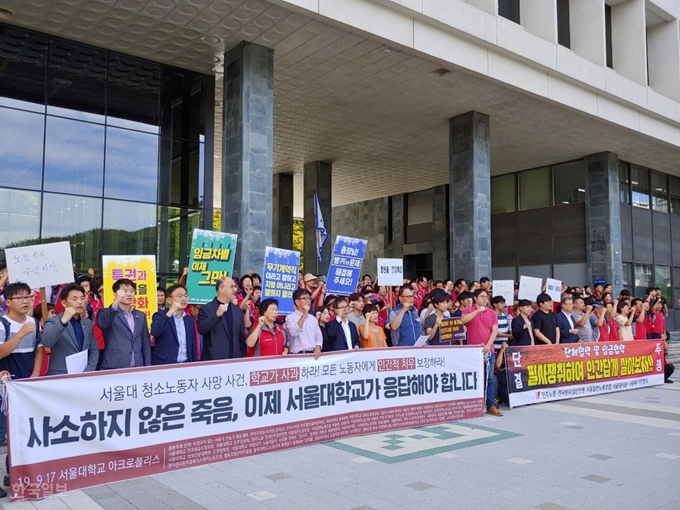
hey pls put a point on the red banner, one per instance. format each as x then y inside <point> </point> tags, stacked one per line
<point>557,372</point>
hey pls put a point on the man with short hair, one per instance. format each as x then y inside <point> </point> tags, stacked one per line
<point>160,297</point>
<point>175,331</point>
<point>70,333</point>
<point>544,321</point>
<point>486,284</point>
<point>448,287</point>
<point>222,325</point>
<point>420,291</point>
<point>504,335</point>
<point>522,329</point>
<point>126,336</point>
<point>404,321</point>
<point>482,328</point>
<point>441,301</point>
<point>565,322</point>
<point>302,329</point>
<point>459,286</point>
<point>581,316</point>
<point>356,309</point>
<point>342,333</point>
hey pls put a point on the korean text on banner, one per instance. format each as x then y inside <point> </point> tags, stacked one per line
<point>345,267</point>
<point>211,258</point>
<point>141,269</point>
<point>40,265</point>
<point>505,289</point>
<point>451,330</point>
<point>558,372</point>
<point>280,277</point>
<point>554,289</point>
<point>102,427</point>
<point>529,287</point>
<point>391,272</point>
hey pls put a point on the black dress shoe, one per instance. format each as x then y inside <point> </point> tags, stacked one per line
<point>3,493</point>
<point>668,381</point>
<point>5,481</point>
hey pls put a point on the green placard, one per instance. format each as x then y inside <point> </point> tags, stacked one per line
<point>212,257</point>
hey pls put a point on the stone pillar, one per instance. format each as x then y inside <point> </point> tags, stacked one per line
<point>603,219</point>
<point>318,176</point>
<point>248,148</point>
<point>440,233</point>
<point>283,211</point>
<point>470,196</point>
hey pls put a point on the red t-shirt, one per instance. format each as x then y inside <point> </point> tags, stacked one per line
<point>604,332</point>
<point>614,335</point>
<point>479,328</point>
<point>640,329</point>
<point>659,323</point>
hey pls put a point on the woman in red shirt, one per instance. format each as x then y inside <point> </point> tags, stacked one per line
<point>657,320</point>
<point>267,338</point>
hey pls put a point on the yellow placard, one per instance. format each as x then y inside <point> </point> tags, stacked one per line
<point>141,269</point>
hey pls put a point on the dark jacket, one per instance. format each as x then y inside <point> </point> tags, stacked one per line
<point>62,342</point>
<point>563,324</point>
<point>521,335</point>
<point>164,330</point>
<point>337,341</point>
<point>223,337</point>
<point>121,343</point>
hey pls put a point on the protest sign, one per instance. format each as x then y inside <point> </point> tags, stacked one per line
<point>141,269</point>
<point>280,277</point>
<point>40,265</point>
<point>506,289</point>
<point>557,372</point>
<point>451,330</point>
<point>529,287</point>
<point>102,427</point>
<point>391,272</point>
<point>554,289</point>
<point>345,267</point>
<point>211,258</point>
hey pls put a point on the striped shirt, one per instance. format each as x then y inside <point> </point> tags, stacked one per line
<point>503,327</point>
<point>20,362</point>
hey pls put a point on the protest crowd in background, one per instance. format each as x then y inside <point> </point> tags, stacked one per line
<point>239,323</point>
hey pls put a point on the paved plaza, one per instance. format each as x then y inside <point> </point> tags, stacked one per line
<point>617,451</point>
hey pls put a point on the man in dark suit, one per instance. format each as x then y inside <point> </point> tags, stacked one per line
<point>68,333</point>
<point>174,330</point>
<point>342,334</point>
<point>521,327</point>
<point>221,324</point>
<point>125,331</point>
<point>565,321</point>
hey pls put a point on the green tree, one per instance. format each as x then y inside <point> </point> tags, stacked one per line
<point>299,240</point>
<point>217,220</point>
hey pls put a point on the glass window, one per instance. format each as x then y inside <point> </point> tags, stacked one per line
<point>503,194</point>
<point>509,9</point>
<point>659,192</point>
<point>563,29</point>
<point>129,228</point>
<point>534,189</point>
<point>133,93</point>
<point>624,183</point>
<point>76,82</point>
<point>185,177</point>
<point>627,281</point>
<point>21,148</point>
<point>131,165</point>
<point>19,218</point>
<point>23,64</point>
<point>182,104</point>
<point>419,207</point>
<point>643,279</point>
<point>77,220</point>
<point>74,157</point>
<point>675,194</point>
<point>569,181</point>
<point>639,180</point>
<point>177,227</point>
<point>662,279</point>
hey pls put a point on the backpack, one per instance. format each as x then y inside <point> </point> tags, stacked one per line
<point>7,327</point>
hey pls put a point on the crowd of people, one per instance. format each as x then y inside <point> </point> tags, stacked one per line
<point>237,323</point>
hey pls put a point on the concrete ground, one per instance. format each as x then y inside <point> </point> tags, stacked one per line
<point>616,451</point>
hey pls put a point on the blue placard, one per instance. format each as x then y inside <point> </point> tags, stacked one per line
<point>280,277</point>
<point>599,281</point>
<point>345,267</point>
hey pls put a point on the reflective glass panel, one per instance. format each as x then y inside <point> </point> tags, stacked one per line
<point>19,218</point>
<point>186,173</point>
<point>131,165</point>
<point>76,81</point>
<point>534,189</point>
<point>675,194</point>
<point>503,194</point>
<point>659,192</point>
<point>133,93</point>
<point>662,279</point>
<point>182,104</point>
<point>419,207</point>
<point>76,220</point>
<point>639,180</point>
<point>21,148</point>
<point>569,182</point>
<point>23,64</point>
<point>176,228</point>
<point>129,228</point>
<point>643,279</point>
<point>624,183</point>
<point>74,157</point>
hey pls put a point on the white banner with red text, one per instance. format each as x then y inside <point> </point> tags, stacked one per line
<point>75,431</point>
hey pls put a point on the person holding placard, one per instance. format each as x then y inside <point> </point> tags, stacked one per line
<point>441,301</point>
<point>126,336</point>
<point>69,334</point>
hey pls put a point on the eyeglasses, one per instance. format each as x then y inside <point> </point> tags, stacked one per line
<point>341,307</point>
<point>22,298</point>
<point>304,298</point>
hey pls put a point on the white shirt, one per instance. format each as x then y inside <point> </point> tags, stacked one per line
<point>348,332</point>
<point>181,338</point>
<point>571,321</point>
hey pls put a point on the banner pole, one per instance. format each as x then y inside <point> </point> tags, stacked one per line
<point>43,303</point>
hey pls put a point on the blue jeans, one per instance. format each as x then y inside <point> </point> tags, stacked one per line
<point>490,382</point>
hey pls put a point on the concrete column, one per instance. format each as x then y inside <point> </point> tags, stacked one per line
<point>470,196</point>
<point>319,177</point>
<point>603,219</point>
<point>440,233</point>
<point>539,17</point>
<point>248,150</point>
<point>587,28</point>
<point>629,45</point>
<point>283,211</point>
<point>663,45</point>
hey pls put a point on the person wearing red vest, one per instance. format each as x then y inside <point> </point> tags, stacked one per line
<point>267,338</point>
